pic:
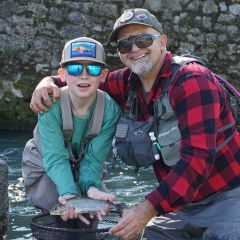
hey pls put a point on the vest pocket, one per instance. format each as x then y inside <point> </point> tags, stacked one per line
<point>169,137</point>
<point>132,142</point>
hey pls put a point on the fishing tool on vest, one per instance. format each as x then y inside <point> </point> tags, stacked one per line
<point>155,145</point>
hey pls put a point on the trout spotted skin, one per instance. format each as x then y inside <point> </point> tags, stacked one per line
<point>83,205</point>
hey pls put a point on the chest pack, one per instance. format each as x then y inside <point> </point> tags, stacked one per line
<point>143,143</point>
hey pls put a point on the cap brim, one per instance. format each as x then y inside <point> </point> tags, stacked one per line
<point>82,59</point>
<point>113,35</point>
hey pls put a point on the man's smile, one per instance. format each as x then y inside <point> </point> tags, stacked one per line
<point>84,85</point>
<point>139,57</point>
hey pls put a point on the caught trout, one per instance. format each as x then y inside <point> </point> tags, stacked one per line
<point>85,205</point>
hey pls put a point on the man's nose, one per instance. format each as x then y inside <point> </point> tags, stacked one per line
<point>135,48</point>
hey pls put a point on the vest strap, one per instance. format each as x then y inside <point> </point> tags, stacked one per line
<point>94,126</point>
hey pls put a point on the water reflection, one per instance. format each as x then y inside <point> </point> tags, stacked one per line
<point>129,187</point>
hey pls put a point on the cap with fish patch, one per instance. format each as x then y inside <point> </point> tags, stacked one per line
<point>138,16</point>
<point>83,48</point>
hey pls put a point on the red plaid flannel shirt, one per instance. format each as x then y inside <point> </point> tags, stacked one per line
<point>200,106</point>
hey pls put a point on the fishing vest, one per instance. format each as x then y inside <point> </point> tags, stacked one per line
<point>160,136</point>
<point>94,129</point>
<point>32,164</point>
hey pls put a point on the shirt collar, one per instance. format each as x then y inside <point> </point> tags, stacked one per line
<point>166,69</point>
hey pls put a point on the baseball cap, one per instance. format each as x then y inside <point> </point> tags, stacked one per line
<point>137,16</point>
<point>83,48</point>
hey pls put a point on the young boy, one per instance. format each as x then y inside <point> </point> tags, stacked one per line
<point>82,67</point>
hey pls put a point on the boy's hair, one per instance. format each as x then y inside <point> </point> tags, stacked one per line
<point>83,48</point>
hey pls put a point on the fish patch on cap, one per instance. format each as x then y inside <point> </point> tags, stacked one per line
<point>142,17</point>
<point>83,49</point>
<point>127,15</point>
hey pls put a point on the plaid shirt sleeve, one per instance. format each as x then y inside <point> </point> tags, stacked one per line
<point>117,85</point>
<point>58,81</point>
<point>197,101</point>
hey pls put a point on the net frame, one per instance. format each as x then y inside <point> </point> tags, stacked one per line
<point>46,226</point>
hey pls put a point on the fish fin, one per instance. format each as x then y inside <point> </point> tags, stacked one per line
<point>120,208</point>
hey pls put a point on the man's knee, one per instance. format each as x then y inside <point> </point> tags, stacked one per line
<point>222,231</point>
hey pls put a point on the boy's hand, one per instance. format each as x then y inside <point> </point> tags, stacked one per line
<point>40,98</point>
<point>97,194</point>
<point>71,213</point>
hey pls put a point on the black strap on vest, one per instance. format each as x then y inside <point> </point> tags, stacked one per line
<point>177,63</point>
<point>131,107</point>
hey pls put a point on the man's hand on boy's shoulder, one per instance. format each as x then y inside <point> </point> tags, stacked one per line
<point>40,101</point>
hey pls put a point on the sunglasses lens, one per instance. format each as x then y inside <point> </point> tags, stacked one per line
<point>144,41</point>
<point>124,46</point>
<point>74,69</point>
<point>94,70</point>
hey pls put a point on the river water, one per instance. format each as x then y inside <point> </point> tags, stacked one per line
<point>129,187</point>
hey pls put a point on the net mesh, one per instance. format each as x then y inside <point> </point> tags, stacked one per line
<point>46,226</point>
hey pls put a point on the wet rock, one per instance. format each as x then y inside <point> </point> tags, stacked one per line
<point>33,33</point>
<point>210,7</point>
<point>3,195</point>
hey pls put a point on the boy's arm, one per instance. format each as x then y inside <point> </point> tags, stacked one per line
<point>55,155</point>
<point>91,166</point>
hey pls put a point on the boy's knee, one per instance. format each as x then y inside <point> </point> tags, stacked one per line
<point>42,194</point>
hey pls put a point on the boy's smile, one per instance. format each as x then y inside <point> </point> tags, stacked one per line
<point>83,79</point>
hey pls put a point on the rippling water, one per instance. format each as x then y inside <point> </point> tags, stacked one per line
<point>128,186</point>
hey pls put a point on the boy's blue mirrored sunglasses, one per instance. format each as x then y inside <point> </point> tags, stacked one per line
<point>76,69</point>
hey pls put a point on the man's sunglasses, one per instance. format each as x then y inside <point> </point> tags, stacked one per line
<point>141,41</point>
<point>76,69</point>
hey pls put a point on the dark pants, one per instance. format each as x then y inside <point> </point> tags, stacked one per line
<point>214,218</point>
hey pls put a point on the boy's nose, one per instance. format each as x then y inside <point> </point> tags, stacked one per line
<point>84,73</point>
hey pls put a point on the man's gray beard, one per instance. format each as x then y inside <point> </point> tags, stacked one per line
<point>142,68</point>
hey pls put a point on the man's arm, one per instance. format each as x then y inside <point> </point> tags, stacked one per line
<point>40,101</point>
